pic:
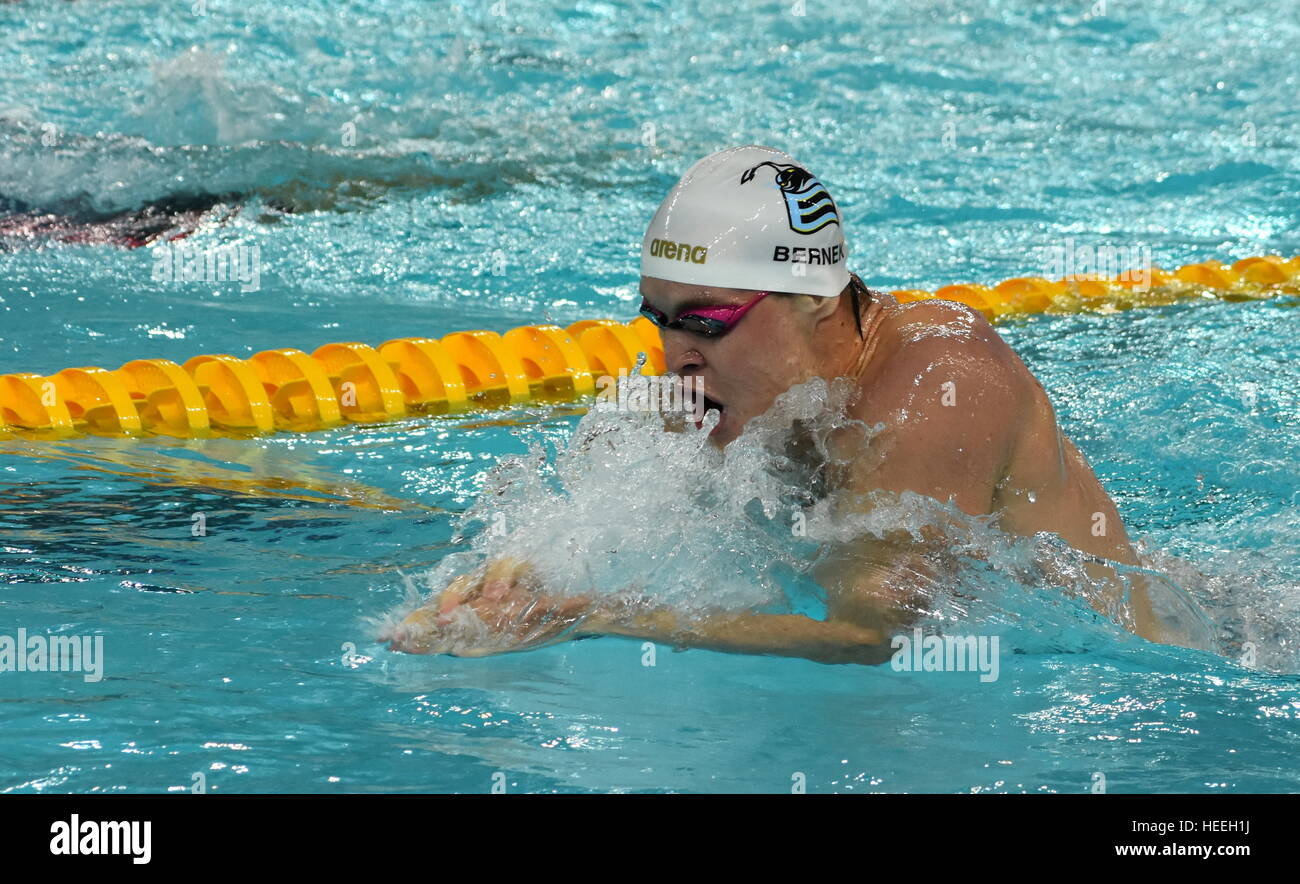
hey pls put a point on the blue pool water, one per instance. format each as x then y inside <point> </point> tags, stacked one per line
<point>502,172</point>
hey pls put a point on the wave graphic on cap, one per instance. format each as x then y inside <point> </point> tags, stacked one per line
<point>807,201</point>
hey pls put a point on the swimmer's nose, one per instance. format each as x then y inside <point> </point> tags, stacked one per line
<point>680,357</point>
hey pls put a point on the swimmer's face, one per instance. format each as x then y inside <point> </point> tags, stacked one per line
<point>768,351</point>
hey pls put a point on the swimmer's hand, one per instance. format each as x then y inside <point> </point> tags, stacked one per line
<point>496,609</point>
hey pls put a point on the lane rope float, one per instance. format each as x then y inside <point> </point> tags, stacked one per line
<point>287,390</point>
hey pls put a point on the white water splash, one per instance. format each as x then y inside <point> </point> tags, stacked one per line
<point>631,508</point>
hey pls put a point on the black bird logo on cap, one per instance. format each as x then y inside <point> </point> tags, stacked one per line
<point>808,204</point>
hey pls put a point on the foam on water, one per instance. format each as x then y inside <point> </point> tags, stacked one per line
<point>659,516</point>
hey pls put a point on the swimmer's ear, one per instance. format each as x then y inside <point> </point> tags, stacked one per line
<point>814,307</point>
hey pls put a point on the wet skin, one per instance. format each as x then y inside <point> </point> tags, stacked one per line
<point>960,419</point>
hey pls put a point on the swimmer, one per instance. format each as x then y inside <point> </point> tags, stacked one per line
<point>743,269</point>
<point>164,220</point>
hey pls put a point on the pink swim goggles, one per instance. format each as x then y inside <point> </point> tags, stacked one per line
<point>709,322</point>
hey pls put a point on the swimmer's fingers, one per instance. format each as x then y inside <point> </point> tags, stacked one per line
<point>508,585</point>
<point>519,610</point>
<point>493,579</point>
<point>524,625</point>
<point>507,569</point>
<point>519,613</point>
<point>502,581</point>
<point>456,594</point>
<point>415,634</point>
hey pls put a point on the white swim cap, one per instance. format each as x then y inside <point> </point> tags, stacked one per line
<point>748,218</point>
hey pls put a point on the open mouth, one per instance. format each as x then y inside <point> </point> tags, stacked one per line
<point>711,404</point>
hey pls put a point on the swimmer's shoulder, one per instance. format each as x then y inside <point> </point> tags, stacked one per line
<point>943,390</point>
<point>944,360</point>
<point>948,332</point>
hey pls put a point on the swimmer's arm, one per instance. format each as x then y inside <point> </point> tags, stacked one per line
<point>875,585</point>
<point>502,599</point>
<point>785,635</point>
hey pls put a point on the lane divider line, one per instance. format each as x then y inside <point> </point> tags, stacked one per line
<point>287,390</point>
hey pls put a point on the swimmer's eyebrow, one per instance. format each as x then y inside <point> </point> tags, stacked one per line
<point>693,304</point>
<point>697,303</point>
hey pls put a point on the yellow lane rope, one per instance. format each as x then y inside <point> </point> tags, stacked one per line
<point>288,390</point>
